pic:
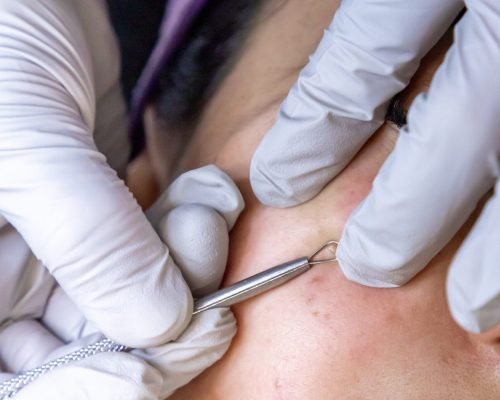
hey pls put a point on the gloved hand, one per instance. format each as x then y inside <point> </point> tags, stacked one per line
<point>445,160</point>
<point>193,217</point>
<point>59,101</point>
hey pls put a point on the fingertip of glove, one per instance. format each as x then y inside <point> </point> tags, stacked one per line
<point>360,266</point>
<point>155,317</point>
<point>271,190</point>
<point>171,320</point>
<point>472,308</point>
<point>198,239</point>
<point>459,310</point>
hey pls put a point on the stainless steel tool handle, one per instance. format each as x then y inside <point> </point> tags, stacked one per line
<point>253,285</point>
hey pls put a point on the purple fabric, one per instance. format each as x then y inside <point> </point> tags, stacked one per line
<point>179,17</point>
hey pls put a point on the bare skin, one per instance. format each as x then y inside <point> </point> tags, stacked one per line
<point>321,336</point>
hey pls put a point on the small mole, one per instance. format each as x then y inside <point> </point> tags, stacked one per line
<point>310,299</point>
<point>316,313</point>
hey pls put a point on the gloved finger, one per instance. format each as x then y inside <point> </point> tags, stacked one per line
<point>193,217</point>
<point>74,212</point>
<point>203,343</point>
<point>25,284</point>
<point>110,376</point>
<point>64,319</point>
<point>367,55</point>
<point>473,285</point>
<point>198,240</point>
<point>208,186</point>
<point>25,345</point>
<point>444,161</point>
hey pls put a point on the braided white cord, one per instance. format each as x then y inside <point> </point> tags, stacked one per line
<point>9,388</point>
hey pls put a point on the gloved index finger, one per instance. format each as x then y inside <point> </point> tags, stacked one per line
<point>367,55</point>
<point>443,163</point>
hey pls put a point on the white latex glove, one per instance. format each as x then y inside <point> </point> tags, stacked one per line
<point>445,160</point>
<point>193,217</point>
<point>58,88</point>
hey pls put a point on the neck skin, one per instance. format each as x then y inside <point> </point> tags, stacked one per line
<point>321,336</point>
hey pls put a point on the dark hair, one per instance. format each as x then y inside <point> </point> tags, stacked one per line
<point>211,46</point>
<point>136,23</point>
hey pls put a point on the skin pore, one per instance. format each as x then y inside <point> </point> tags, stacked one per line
<point>321,336</point>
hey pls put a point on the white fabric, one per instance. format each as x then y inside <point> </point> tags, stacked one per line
<point>41,323</point>
<point>444,161</point>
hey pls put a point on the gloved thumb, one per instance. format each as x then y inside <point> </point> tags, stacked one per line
<point>198,240</point>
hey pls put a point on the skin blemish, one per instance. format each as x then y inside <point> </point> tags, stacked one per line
<point>316,281</point>
<point>310,299</point>
<point>448,359</point>
<point>323,316</point>
<point>278,385</point>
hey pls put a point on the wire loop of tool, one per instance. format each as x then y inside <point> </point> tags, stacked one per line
<point>327,245</point>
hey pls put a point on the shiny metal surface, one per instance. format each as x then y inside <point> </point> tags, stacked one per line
<point>253,285</point>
